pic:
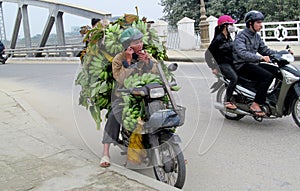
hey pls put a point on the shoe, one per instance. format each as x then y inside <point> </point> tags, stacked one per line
<point>230,105</point>
<point>258,113</point>
<point>105,162</point>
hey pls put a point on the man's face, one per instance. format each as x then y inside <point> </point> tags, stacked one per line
<point>257,26</point>
<point>137,45</point>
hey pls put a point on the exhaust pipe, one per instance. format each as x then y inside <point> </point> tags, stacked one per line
<point>220,106</point>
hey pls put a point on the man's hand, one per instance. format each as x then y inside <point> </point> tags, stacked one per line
<point>128,54</point>
<point>215,71</point>
<point>266,58</point>
<point>143,56</point>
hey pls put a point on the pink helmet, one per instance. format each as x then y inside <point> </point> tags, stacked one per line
<point>226,19</point>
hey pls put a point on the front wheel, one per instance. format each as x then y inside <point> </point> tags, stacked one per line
<point>296,111</point>
<point>221,97</point>
<point>172,171</point>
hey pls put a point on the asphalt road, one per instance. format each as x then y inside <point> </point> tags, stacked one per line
<point>221,154</point>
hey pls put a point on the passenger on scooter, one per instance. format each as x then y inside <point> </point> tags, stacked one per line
<point>247,44</point>
<point>219,55</point>
<point>134,58</point>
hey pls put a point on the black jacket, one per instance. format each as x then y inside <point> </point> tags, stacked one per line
<point>219,51</point>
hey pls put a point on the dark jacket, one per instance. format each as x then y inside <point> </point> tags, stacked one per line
<point>219,51</point>
<point>2,47</point>
<point>246,44</point>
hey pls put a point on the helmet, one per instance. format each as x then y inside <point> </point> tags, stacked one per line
<point>129,35</point>
<point>225,19</point>
<point>253,16</point>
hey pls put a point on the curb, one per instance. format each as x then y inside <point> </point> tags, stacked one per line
<point>130,174</point>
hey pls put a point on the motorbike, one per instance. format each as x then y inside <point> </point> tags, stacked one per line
<point>283,96</point>
<point>158,132</point>
<point>3,57</point>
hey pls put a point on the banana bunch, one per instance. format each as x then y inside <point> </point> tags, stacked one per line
<point>133,109</point>
<point>112,39</point>
<point>137,80</point>
<point>133,105</point>
<point>136,151</point>
<point>97,83</point>
<point>142,26</point>
<point>96,79</point>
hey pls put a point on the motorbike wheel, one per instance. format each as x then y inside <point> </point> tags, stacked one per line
<point>173,171</point>
<point>221,96</point>
<point>296,111</point>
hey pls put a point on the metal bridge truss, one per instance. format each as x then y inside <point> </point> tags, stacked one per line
<point>56,11</point>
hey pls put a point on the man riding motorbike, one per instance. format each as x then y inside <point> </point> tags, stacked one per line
<point>246,44</point>
<point>132,59</point>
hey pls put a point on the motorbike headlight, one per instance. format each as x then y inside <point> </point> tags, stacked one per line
<point>157,92</point>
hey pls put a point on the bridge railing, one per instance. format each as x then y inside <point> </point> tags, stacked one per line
<point>48,51</point>
<point>279,32</point>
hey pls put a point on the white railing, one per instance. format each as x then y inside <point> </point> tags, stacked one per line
<point>273,33</point>
<point>279,32</point>
<point>48,51</point>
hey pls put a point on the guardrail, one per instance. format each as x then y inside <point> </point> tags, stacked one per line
<point>47,51</point>
<point>279,32</point>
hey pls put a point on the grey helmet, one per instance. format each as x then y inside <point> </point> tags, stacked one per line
<point>253,16</point>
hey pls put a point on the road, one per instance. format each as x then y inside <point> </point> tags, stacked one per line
<point>221,154</point>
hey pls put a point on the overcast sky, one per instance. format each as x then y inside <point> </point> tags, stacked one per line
<point>38,16</point>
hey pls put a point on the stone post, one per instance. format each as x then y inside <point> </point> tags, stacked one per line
<point>213,22</point>
<point>161,27</point>
<point>203,26</point>
<point>186,32</point>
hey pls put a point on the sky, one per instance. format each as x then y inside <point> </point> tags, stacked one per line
<point>38,16</point>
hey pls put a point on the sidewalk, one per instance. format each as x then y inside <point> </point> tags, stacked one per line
<point>34,156</point>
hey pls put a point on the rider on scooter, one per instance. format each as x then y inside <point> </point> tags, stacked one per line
<point>219,55</point>
<point>247,44</point>
<point>124,64</point>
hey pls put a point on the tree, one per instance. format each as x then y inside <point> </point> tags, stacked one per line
<point>177,9</point>
<point>274,10</point>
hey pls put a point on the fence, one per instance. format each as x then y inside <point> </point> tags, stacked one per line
<point>272,33</point>
<point>48,51</point>
<point>279,32</point>
<point>173,40</point>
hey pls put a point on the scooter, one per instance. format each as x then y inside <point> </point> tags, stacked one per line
<point>160,141</point>
<point>283,96</point>
<point>3,57</point>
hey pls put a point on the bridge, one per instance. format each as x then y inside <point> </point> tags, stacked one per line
<point>56,11</point>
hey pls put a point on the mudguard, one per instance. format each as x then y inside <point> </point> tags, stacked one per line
<point>297,89</point>
<point>172,137</point>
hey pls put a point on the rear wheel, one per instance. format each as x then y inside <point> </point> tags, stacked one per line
<point>296,110</point>
<point>173,169</point>
<point>221,97</point>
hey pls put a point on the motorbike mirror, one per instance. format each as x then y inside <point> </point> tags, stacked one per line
<point>173,67</point>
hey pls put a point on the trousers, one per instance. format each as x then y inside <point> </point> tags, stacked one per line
<point>263,74</point>
<point>228,71</point>
<point>112,126</point>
